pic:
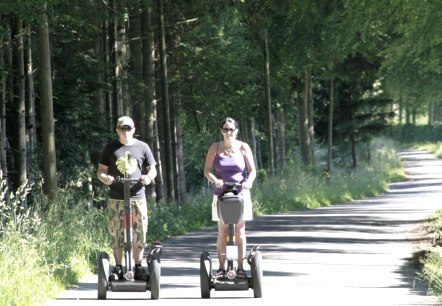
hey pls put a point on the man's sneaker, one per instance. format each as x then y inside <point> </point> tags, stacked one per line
<point>140,273</point>
<point>117,273</point>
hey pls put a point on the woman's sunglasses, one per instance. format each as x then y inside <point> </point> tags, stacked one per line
<point>225,130</point>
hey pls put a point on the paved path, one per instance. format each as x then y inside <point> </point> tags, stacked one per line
<point>350,254</point>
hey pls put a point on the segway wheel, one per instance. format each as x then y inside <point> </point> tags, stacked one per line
<point>103,273</point>
<point>257,274</point>
<point>205,271</point>
<point>154,279</point>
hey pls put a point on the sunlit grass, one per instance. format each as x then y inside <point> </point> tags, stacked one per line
<point>435,148</point>
<point>300,188</point>
<point>44,250</point>
<point>432,263</point>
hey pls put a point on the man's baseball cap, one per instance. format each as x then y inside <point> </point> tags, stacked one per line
<point>125,120</point>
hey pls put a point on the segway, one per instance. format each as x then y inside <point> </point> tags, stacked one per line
<point>129,284</point>
<point>230,210</point>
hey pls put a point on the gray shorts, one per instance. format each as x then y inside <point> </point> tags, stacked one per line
<point>116,222</point>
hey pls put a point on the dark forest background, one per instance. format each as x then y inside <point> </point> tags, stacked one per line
<point>299,76</point>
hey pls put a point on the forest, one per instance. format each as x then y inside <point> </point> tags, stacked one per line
<point>301,77</point>
<point>319,87</point>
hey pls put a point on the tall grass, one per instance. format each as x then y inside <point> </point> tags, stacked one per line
<point>432,261</point>
<point>301,188</point>
<point>42,251</point>
<point>168,219</point>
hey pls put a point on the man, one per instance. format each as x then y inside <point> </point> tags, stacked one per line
<point>127,157</point>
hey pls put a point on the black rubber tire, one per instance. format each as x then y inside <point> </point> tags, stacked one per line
<point>154,279</point>
<point>257,275</point>
<point>103,266</point>
<point>205,271</point>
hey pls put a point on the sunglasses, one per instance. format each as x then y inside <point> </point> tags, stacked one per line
<point>125,128</point>
<point>225,130</point>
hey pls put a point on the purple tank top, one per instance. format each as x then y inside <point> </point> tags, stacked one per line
<point>229,169</point>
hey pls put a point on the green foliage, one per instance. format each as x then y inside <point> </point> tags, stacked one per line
<point>55,247</point>
<point>408,134</point>
<point>169,220</point>
<point>432,261</point>
<point>300,188</point>
<point>432,272</point>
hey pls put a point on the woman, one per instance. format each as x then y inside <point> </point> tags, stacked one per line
<point>230,160</point>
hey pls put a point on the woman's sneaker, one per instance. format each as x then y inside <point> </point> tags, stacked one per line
<point>140,273</point>
<point>117,273</point>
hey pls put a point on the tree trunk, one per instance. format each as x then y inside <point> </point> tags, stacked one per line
<point>160,187</point>
<point>303,128</point>
<point>18,109</point>
<point>431,112</point>
<point>330,127</point>
<point>136,69</point>
<point>166,107</point>
<point>401,111</point>
<point>30,101</point>
<point>149,91</point>
<point>181,172</point>
<point>47,112</point>
<point>311,131</point>
<point>253,139</point>
<point>119,35</point>
<point>3,78</point>
<point>354,157</point>
<point>269,105</point>
<point>108,42</point>
<point>179,134</point>
<point>100,49</point>
<point>280,139</point>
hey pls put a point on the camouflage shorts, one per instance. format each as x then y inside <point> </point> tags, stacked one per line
<point>115,218</point>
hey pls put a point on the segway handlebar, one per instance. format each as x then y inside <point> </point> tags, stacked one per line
<point>120,179</point>
<point>232,184</point>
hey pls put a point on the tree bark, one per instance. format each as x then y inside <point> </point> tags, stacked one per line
<point>47,112</point>
<point>18,109</point>
<point>311,131</point>
<point>149,91</point>
<point>303,127</point>
<point>119,37</point>
<point>3,79</point>
<point>31,129</point>
<point>108,42</point>
<point>136,69</point>
<point>269,105</point>
<point>99,50</point>
<point>179,134</point>
<point>253,139</point>
<point>166,107</point>
<point>330,127</point>
<point>280,139</point>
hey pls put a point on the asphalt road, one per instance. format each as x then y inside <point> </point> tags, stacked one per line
<point>355,253</point>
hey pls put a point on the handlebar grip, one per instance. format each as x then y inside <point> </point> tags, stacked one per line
<point>120,179</point>
<point>236,184</point>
